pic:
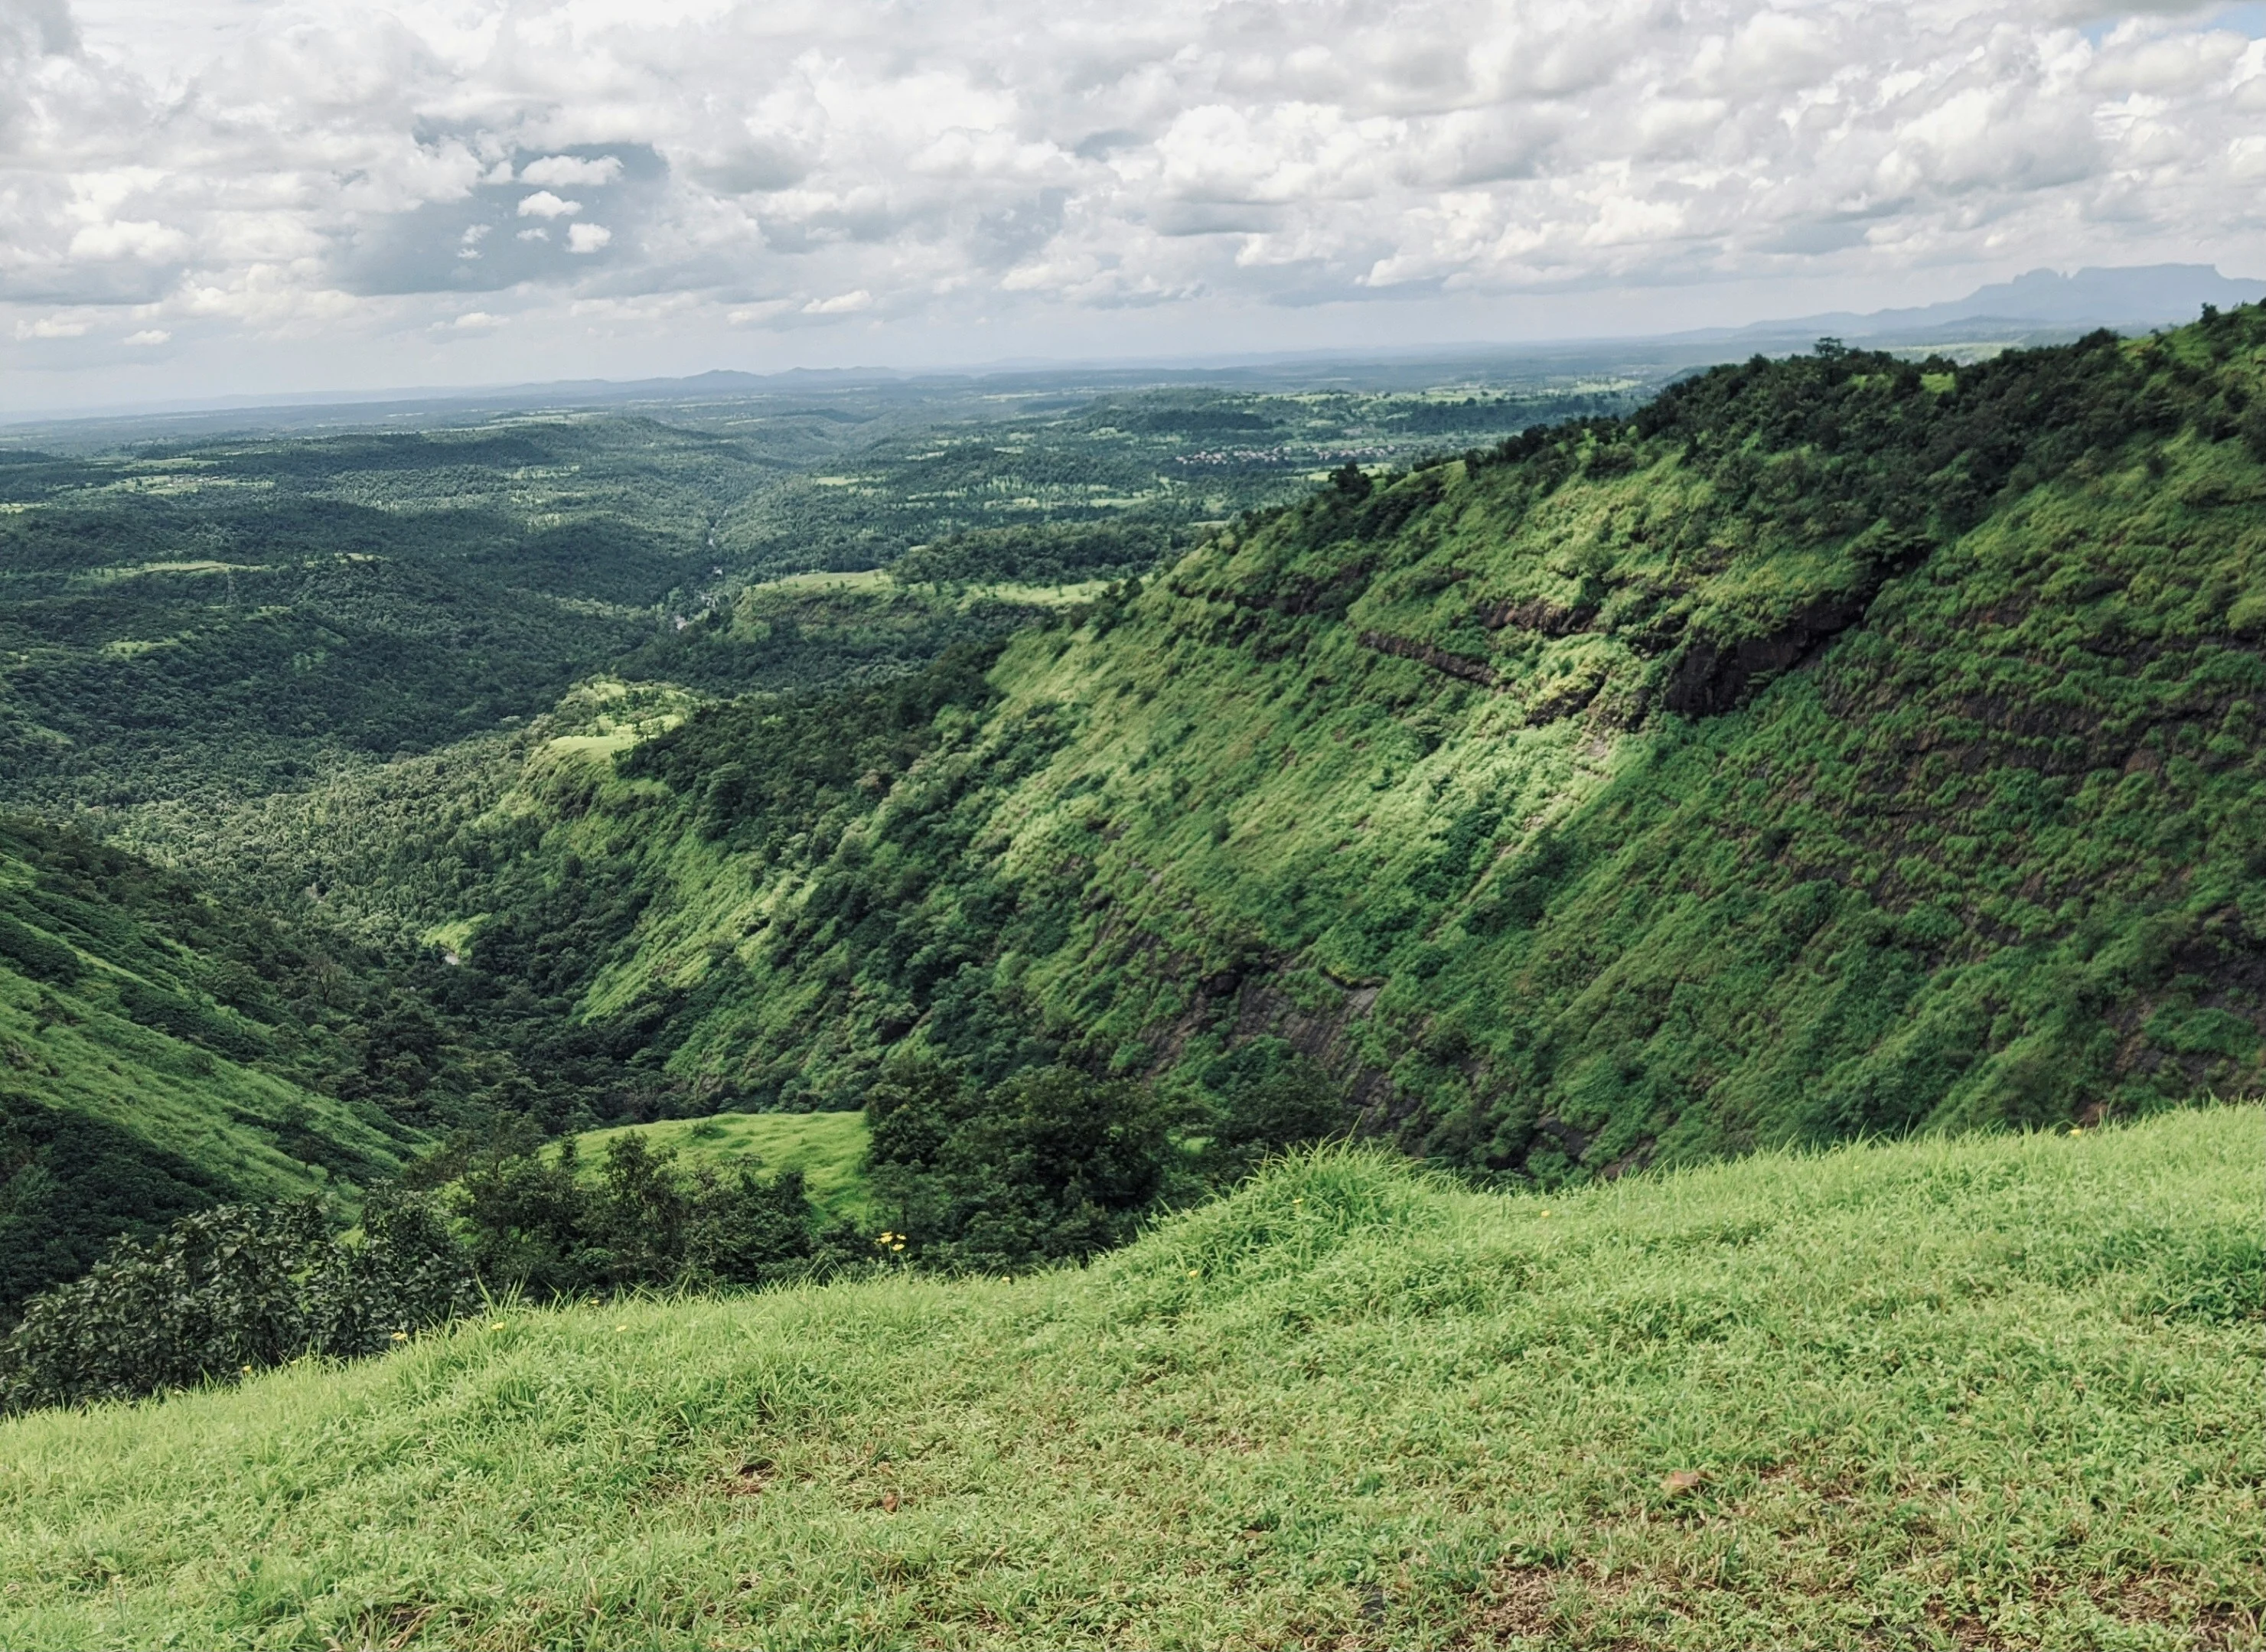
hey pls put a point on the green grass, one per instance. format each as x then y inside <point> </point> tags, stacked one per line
<point>828,1148</point>
<point>216,1114</point>
<point>1995,1390</point>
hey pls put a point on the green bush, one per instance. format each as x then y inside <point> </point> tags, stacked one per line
<point>538,1226</point>
<point>38,956</point>
<point>231,1290</point>
<point>1269,1098</point>
<point>1052,1166</point>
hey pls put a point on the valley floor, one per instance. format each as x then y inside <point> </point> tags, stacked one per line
<point>1994,1392</point>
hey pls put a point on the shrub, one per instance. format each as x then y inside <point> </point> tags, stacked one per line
<point>229,1290</point>
<point>538,1224</point>
<point>1055,1165</point>
<point>1269,1098</point>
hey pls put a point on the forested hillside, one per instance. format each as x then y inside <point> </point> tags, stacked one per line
<point>1837,745</point>
<point>160,1051</point>
<point>288,668</point>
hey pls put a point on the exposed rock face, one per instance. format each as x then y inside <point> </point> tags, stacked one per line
<point>1709,675</point>
<point>1454,665</point>
<point>1546,618</point>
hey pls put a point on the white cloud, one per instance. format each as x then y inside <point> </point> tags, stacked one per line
<point>567,171</point>
<point>149,336</point>
<point>54,327</point>
<point>151,243</point>
<point>277,166</point>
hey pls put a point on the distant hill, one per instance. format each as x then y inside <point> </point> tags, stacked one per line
<point>2130,299</point>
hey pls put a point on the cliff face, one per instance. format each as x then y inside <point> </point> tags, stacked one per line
<point>1835,746</point>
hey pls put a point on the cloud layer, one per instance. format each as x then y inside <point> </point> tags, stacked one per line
<point>224,168</point>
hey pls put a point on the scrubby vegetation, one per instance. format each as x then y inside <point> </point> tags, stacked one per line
<point>1999,1390</point>
<point>235,1288</point>
<point>1051,1166</point>
<point>537,1226</point>
<point>1837,745</point>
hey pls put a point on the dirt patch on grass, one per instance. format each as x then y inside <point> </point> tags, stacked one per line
<point>1518,1603</point>
<point>2174,1604</point>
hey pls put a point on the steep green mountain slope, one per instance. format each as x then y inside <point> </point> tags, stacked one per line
<point>159,1051</point>
<point>1837,745</point>
<point>1996,1391</point>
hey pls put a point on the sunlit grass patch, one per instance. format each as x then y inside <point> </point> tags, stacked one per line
<point>1913,1395</point>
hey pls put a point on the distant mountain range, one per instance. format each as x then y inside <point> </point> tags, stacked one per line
<point>2042,307</point>
<point>2133,299</point>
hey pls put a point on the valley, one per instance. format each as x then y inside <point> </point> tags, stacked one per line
<point>1402,1003</point>
<point>1596,803</point>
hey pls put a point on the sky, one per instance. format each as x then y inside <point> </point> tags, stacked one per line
<point>206,198</point>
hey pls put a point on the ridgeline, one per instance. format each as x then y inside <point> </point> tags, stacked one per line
<point>1837,745</point>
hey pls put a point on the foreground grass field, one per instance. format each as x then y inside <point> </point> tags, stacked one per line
<point>1993,1391</point>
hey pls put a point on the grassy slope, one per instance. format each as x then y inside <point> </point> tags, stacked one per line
<point>1993,1391</point>
<point>171,1093</point>
<point>77,1040</point>
<point>1405,782</point>
<point>129,1092</point>
<point>828,1148</point>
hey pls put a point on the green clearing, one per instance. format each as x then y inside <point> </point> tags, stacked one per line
<point>827,1148</point>
<point>1992,1391</point>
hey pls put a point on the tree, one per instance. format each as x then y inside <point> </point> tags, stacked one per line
<point>1054,1165</point>
<point>231,1290</point>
